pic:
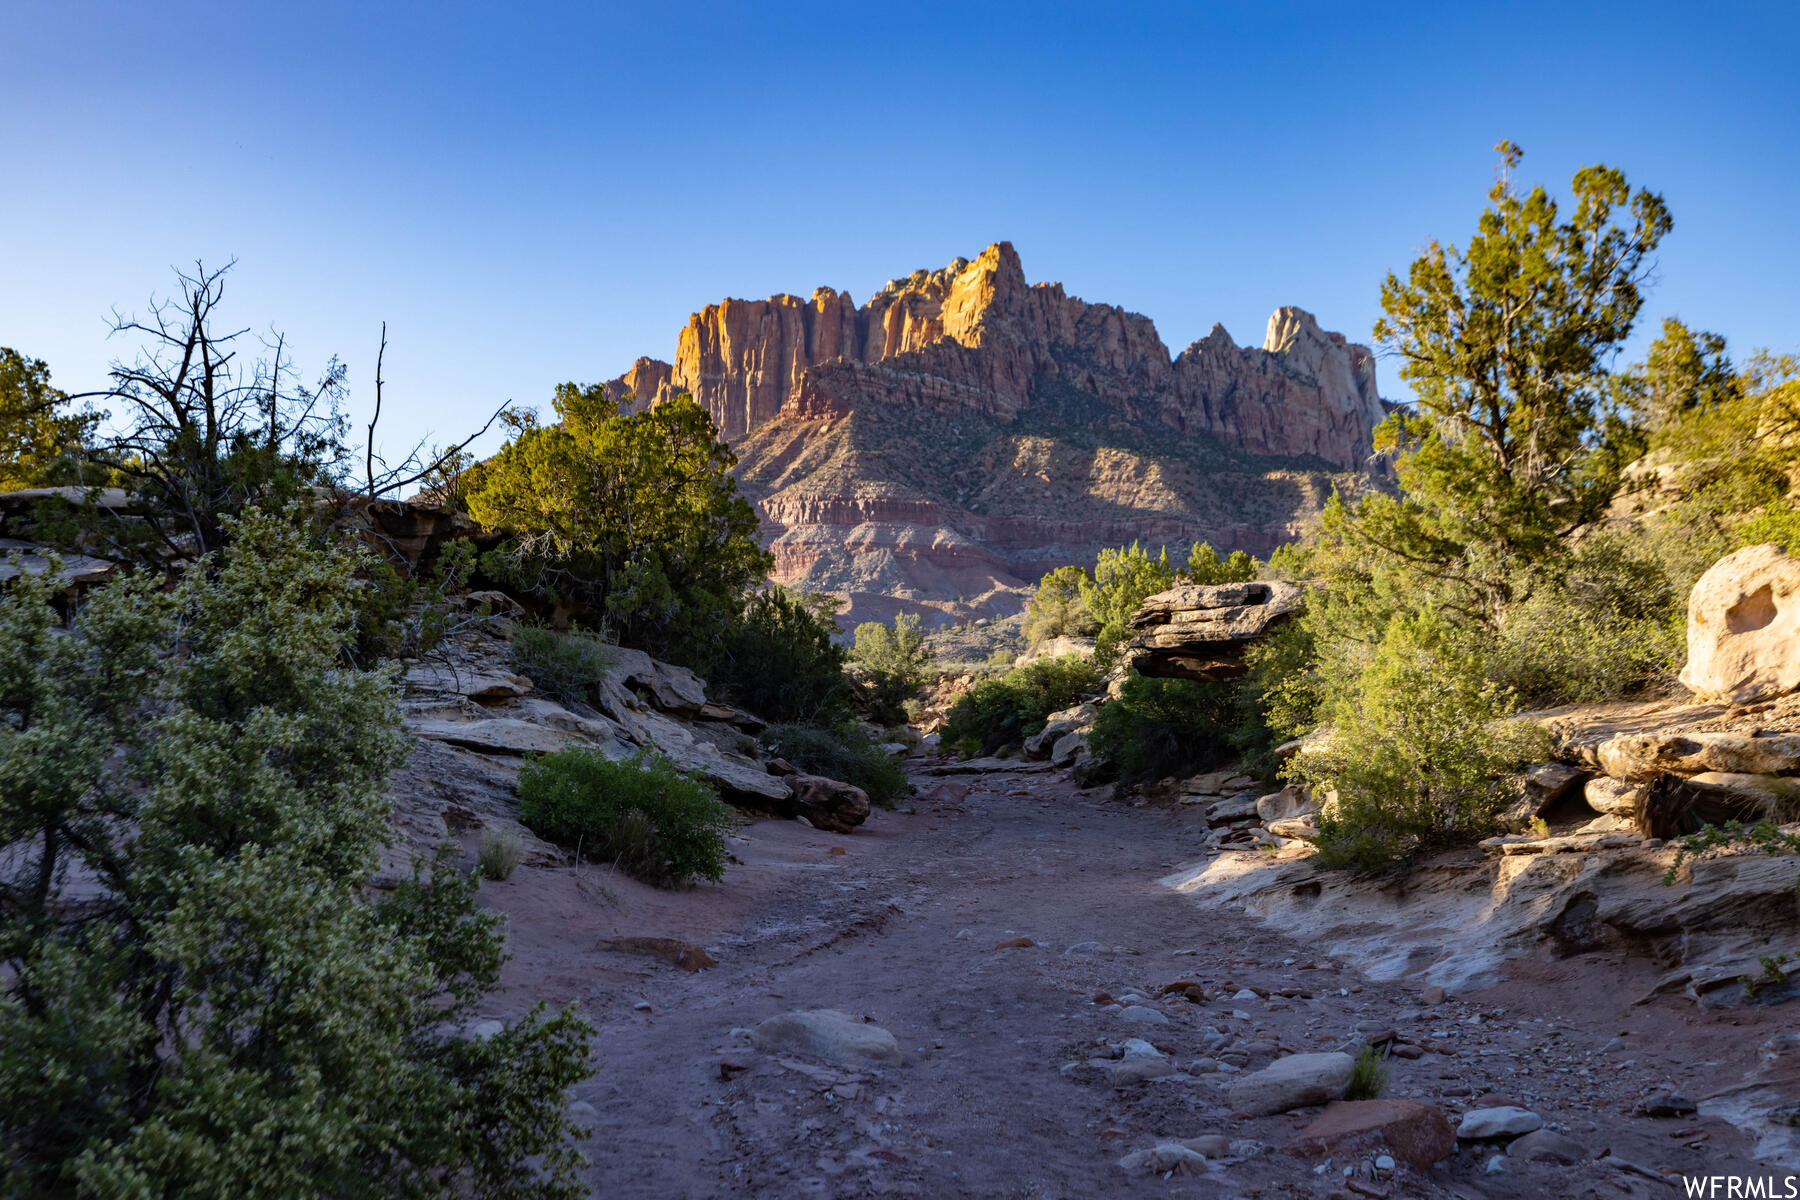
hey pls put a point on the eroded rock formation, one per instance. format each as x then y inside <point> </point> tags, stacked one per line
<point>976,337</point>
<point>942,445</point>
<point>1201,631</point>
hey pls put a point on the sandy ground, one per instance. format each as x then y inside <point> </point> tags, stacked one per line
<point>903,927</point>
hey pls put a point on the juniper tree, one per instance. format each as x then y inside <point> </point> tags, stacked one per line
<point>197,999</point>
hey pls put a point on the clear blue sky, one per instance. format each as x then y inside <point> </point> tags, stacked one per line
<point>533,193</point>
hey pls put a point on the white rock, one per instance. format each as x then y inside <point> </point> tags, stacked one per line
<point>829,1034</point>
<point>1744,627</point>
<point>1485,1124</point>
<point>1292,1082</point>
<point>1164,1157</point>
<point>1144,1015</point>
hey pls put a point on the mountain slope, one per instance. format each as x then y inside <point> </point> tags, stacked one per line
<point>943,445</point>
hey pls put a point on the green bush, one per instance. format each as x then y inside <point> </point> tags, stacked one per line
<point>563,665</point>
<point>231,795</point>
<point>1003,712</point>
<point>779,661</point>
<point>894,663</point>
<point>844,754</point>
<point>1368,1076</point>
<point>1418,753</point>
<point>1161,727</point>
<point>1606,623</point>
<point>1057,609</point>
<point>500,856</point>
<point>659,824</point>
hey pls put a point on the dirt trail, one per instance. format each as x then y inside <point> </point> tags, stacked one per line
<point>903,927</point>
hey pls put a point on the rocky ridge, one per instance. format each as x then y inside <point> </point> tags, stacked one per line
<point>942,445</point>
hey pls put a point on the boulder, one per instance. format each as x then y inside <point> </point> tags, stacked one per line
<point>1613,797</point>
<point>1201,631</point>
<point>1290,802</point>
<point>668,687</point>
<point>1305,828</point>
<point>476,684</point>
<point>499,735</point>
<point>1498,1123</point>
<point>1060,646</point>
<point>1548,1146</point>
<point>1546,783</point>
<point>1292,1082</point>
<point>829,805</point>
<point>1166,1158</point>
<point>1059,725</point>
<point>1240,807</point>
<point>1415,1132</point>
<point>828,1034</point>
<point>1744,627</point>
<point>1640,757</point>
<point>1068,748</point>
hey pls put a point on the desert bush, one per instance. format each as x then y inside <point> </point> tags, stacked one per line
<point>779,660</point>
<point>1205,566</point>
<point>1162,727</point>
<point>1607,622</point>
<point>1418,753</point>
<point>634,518</point>
<point>204,759</point>
<point>1368,1076</point>
<point>1057,608</point>
<point>658,823</point>
<point>894,662</point>
<point>1004,712</point>
<point>1121,580</point>
<point>844,753</point>
<point>500,855</point>
<point>564,665</point>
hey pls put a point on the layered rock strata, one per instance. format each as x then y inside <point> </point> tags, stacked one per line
<point>941,446</point>
<point>976,337</point>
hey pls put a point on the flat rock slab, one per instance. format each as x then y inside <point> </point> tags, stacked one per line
<point>1292,1082</point>
<point>475,684</point>
<point>828,1034</point>
<point>1414,1131</point>
<point>500,735</point>
<point>1492,1124</point>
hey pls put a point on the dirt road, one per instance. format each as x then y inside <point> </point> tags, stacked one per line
<point>920,925</point>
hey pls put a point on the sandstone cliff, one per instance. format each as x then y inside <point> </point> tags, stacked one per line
<point>975,336</point>
<point>963,431</point>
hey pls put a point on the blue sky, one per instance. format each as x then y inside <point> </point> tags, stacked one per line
<point>535,193</point>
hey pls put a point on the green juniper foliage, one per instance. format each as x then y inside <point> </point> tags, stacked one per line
<point>634,518</point>
<point>894,661</point>
<point>198,1001</point>
<point>40,439</point>
<point>1481,584</point>
<point>778,659</point>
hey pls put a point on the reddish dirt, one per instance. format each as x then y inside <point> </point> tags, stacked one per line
<point>903,928</point>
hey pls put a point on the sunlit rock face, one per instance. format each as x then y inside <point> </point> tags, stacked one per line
<point>944,443</point>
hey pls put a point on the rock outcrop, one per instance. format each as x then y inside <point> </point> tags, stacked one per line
<point>1201,631</point>
<point>941,446</point>
<point>1744,627</point>
<point>975,336</point>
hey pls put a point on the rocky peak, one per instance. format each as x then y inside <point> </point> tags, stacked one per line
<point>975,335</point>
